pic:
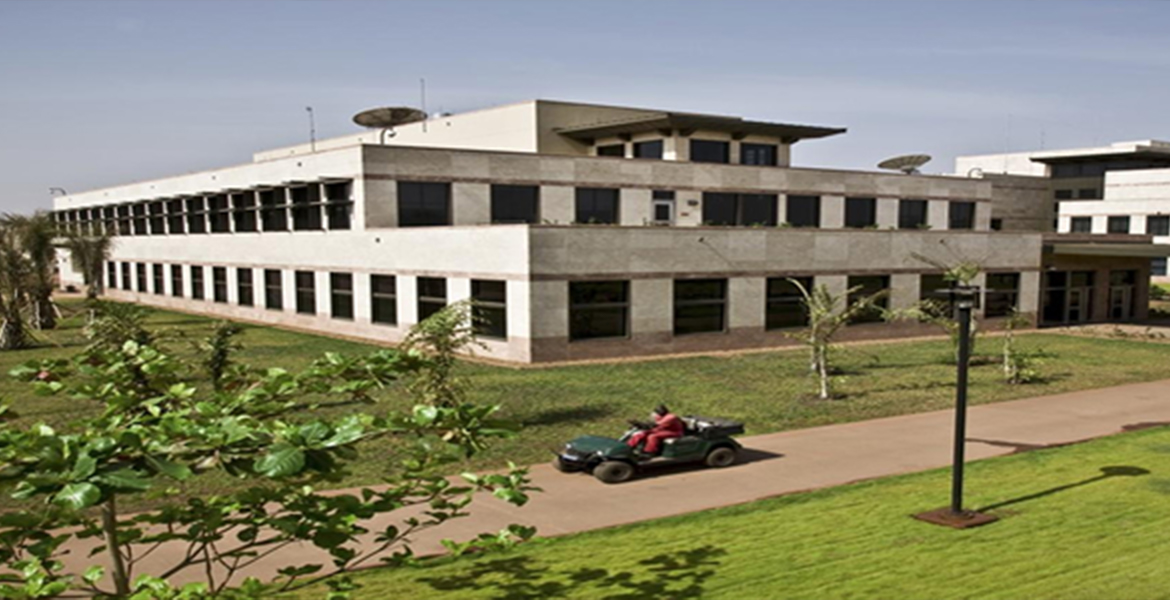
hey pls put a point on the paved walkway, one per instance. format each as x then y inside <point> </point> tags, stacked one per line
<point>788,462</point>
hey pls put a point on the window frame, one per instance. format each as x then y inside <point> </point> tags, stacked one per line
<point>867,207</point>
<point>795,200</point>
<point>483,303</point>
<point>378,294</point>
<point>684,303</point>
<point>415,207</point>
<point>581,327</point>
<point>905,214</point>
<point>341,296</point>
<point>586,203</point>
<point>776,319</point>
<point>305,288</point>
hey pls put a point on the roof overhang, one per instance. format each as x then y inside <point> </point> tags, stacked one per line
<point>1145,153</point>
<point>1119,250</point>
<point>686,124</point>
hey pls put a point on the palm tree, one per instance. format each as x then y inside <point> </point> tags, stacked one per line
<point>35,237</point>
<point>89,255</point>
<point>14,278</point>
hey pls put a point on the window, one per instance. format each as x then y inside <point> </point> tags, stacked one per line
<point>662,208</point>
<point>597,205</point>
<point>244,292</point>
<point>341,295</point>
<point>273,214</point>
<point>244,211</point>
<point>126,284</point>
<point>423,204</point>
<point>218,216</point>
<point>708,151</point>
<point>306,207</point>
<point>598,309</point>
<point>176,220</point>
<point>1081,225</point>
<point>1157,225</point>
<point>339,204</point>
<point>515,204</point>
<point>804,211</point>
<point>158,223</point>
<point>306,291</point>
<point>110,218</point>
<point>1002,292</point>
<point>140,271</point>
<point>196,217</point>
<point>934,291</point>
<point>160,286</point>
<point>111,275</point>
<point>432,296</point>
<point>177,281</point>
<point>700,305</point>
<point>1157,267</point>
<point>757,154</point>
<point>651,149</point>
<point>785,307</point>
<point>867,285</point>
<point>1118,225</point>
<point>124,227</point>
<point>139,219</point>
<point>490,303</point>
<point>219,284</point>
<point>273,290</point>
<point>1063,194</point>
<point>1088,194</point>
<point>911,214</point>
<point>196,282</point>
<point>739,209</point>
<point>860,212</point>
<point>997,224</point>
<point>618,150</point>
<point>961,215</point>
<point>384,299</point>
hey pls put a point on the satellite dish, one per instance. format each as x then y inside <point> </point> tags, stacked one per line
<point>387,118</point>
<point>907,164</point>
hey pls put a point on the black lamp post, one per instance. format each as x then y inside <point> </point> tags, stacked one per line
<point>964,298</point>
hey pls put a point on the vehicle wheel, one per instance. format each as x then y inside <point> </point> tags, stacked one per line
<point>560,465</point>
<point>613,471</point>
<point>721,457</point>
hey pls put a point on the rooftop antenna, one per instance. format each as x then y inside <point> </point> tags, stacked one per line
<point>387,118</point>
<point>422,92</point>
<point>312,130</point>
<point>908,163</point>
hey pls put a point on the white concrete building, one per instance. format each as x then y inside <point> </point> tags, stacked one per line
<point>578,231</point>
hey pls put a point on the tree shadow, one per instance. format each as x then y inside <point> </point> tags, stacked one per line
<point>669,575</point>
<point>1106,473</point>
<point>555,416</point>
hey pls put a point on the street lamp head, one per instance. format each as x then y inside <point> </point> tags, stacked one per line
<point>964,296</point>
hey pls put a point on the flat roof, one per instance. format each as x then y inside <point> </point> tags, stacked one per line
<point>787,132</point>
<point>1142,150</point>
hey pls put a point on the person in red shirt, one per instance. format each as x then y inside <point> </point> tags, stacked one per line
<point>666,426</point>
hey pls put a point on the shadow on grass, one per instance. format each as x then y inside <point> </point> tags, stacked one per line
<point>1106,473</point>
<point>674,575</point>
<point>564,414</point>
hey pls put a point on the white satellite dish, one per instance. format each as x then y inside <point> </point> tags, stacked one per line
<point>387,118</point>
<point>907,163</point>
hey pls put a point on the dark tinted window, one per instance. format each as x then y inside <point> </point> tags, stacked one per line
<point>140,270</point>
<point>126,283</point>
<point>757,154</point>
<point>739,209</point>
<point>273,290</point>
<point>339,204</point>
<point>196,216</point>
<point>612,150</point>
<point>244,211</point>
<point>384,299</point>
<point>273,210</point>
<point>306,207</point>
<point>700,305</point>
<point>219,284</point>
<point>651,149</point>
<point>341,295</point>
<point>158,223</point>
<point>785,306</point>
<point>139,219</point>
<point>1063,194</point>
<point>423,204</point>
<point>217,214</point>
<point>865,286</point>
<point>197,284</point>
<point>306,291</point>
<point>1001,295</point>
<point>597,205</point>
<point>432,296</point>
<point>159,280</point>
<point>111,275</point>
<point>804,211</point>
<point>176,218</point>
<point>489,300</point>
<point>1081,225</point>
<point>912,214</point>
<point>244,290</point>
<point>1157,225</point>
<point>177,281</point>
<point>860,212</point>
<point>1088,194</point>
<point>961,215</point>
<point>598,309</point>
<point>515,204</point>
<point>708,151</point>
<point>1118,224</point>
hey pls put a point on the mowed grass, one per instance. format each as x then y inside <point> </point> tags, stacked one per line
<point>1081,522</point>
<point>769,391</point>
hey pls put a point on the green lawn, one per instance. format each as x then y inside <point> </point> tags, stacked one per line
<point>769,391</point>
<point>1082,522</point>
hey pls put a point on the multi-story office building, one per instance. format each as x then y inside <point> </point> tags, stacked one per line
<point>578,231</point>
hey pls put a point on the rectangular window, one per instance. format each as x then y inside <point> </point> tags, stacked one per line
<point>158,221</point>
<point>739,209</point>
<point>934,290</point>
<point>196,216</point>
<point>515,204</point>
<point>341,295</point>
<point>867,285</point>
<point>111,275</point>
<point>1001,294</point>
<point>339,204</point>
<point>140,221</point>
<point>662,207</point>
<point>490,308</point>
<point>196,282</point>
<point>618,150</point>
<point>912,214</point>
<point>140,271</point>
<point>860,212</point>
<point>177,281</point>
<point>306,207</point>
<point>273,290</point>
<point>423,204</point>
<point>708,151</point>
<point>700,305</point>
<point>651,149</point>
<point>1088,194</point>
<point>763,155</point>
<point>961,215</point>
<point>218,215</point>
<point>126,283</point>
<point>160,286</point>
<point>997,224</point>
<point>598,309</point>
<point>124,226</point>
<point>432,296</point>
<point>1081,225</point>
<point>597,205</point>
<point>1063,194</point>
<point>804,211</point>
<point>1157,225</point>
<point>1118,225</point>
<point>785,306</point>
<point>384,299</point>
<point>273,210</point>
<point>244,211</point>
<point>1157,267</point>
<point>219,284</point>
<point>245,295</point>
<point>306,290</point>
<point>176,218</point>
<point>110,219</point>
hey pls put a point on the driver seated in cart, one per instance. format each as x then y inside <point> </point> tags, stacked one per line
<point>666,426</point>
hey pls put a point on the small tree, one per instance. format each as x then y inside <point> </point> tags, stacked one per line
<point>827,314</point>
<point>1017,365</point>
<point>442,338</point>
<point>941,313</point>
<point>89,255</point>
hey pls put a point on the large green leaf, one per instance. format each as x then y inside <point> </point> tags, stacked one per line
<point>169,468</point>
<point>78,496</point>
<point>281,461</point>
<point>124,479</point>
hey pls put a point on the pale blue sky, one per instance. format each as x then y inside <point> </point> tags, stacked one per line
<point>97,93</point>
